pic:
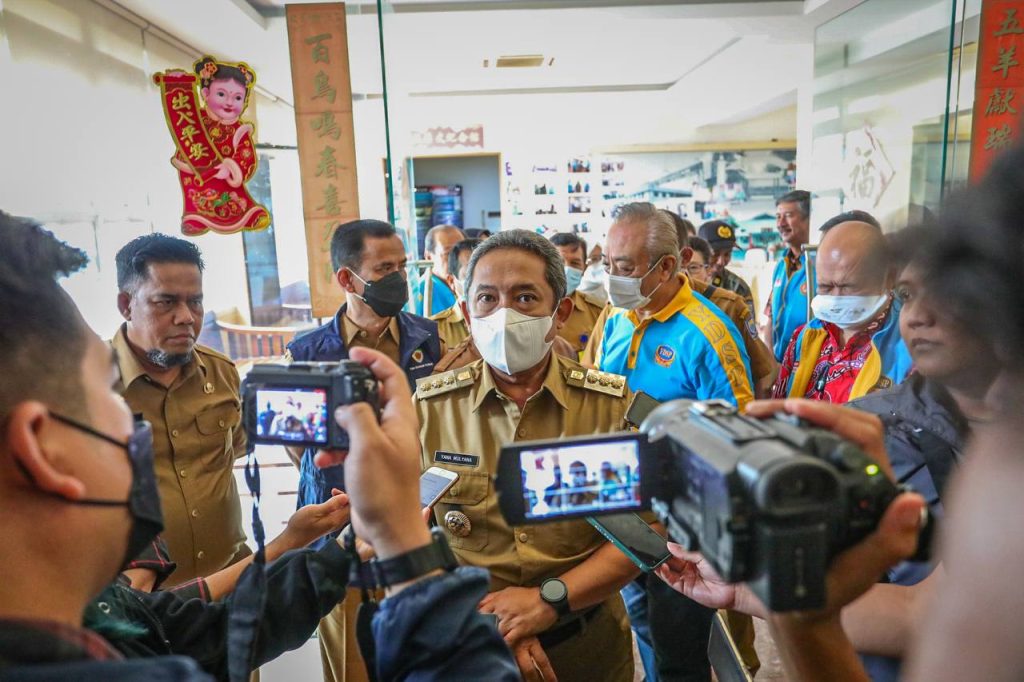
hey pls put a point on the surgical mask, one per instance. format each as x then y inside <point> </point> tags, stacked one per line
<point>625,292</point>
<point>143,501</point>
<point>594,282</point>
<point>386,296</point>
<point>510,341</point>
<point>573,277</point>
<point>847,312</point>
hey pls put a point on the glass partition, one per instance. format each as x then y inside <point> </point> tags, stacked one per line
<point>893,91</point>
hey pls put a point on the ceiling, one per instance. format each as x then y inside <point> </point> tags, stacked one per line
<point>656,70</point>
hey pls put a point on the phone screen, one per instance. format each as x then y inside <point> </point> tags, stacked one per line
<point>576,479</point>
<point>432,487</point>
<point>291,415</point>
<point>634,537</point>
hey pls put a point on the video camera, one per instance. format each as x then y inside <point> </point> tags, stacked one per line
<point>293,404</point>
<point>768,502</point>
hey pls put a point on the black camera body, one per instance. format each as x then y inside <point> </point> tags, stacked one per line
<point>768,502</point>
<point>294,403</point>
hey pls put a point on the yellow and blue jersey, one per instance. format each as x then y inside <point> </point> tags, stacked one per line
<point>788,306</point>
<point>688,349</point>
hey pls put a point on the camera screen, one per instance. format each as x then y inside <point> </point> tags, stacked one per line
<point>582,478</point>
<point>292,414</point>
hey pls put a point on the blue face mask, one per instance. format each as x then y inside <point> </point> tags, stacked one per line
<point>573,277</point>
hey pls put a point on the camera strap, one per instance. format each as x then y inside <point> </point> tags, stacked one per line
<point>249,599</point>
<point>367,609</point>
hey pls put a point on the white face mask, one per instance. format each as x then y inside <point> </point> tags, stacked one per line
<point>573,277</point>
<point>846,312</point>
<point>625,292</point>
<point>510,341</point>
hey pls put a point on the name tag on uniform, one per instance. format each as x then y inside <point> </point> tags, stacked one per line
<point>456,458</point>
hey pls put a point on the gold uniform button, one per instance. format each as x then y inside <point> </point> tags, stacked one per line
<point>523,537</point>
<point>200,554</point>
<point>221,423</point>
<point>454,492</point>
<point>208,388</point>
<point>183,473</point>
<point>174,433</point>
<point>195,513</point>
<point>458,524</point>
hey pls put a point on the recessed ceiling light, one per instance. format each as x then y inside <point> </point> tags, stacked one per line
<point>519,61</point>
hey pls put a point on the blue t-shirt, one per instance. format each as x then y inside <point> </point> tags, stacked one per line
<point>788,305</point>
<point>689,349</point>
<point>441,297</point>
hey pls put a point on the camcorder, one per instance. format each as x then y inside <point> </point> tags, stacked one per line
<point>294,403</point>
<point>767,502</point>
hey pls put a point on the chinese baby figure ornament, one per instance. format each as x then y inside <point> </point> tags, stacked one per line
<point>215,148</point>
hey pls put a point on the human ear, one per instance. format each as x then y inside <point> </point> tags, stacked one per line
<point>124,305</point>
<point>31,442</point>
<point>562,312</point>
<point>344,278</point>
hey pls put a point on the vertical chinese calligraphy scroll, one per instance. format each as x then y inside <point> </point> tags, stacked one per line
<point>318,43</point>
<point>999,92</point>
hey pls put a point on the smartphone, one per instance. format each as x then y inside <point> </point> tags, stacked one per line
<point>435,482</point>
<point>724,656</point>
<point>634,538</point>
<point>641,406</point>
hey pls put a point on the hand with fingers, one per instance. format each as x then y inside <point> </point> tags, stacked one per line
<point>533,662</point>
<point>521,612</point>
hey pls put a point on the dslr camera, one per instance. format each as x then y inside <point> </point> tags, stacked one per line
<point>294,403</point>
<point>767,502</point>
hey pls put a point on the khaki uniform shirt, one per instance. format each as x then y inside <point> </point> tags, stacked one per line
<point>472,417</point>
<point>580,325</point>
<point>762,362</point>
<point>730,281</point>
<point>357,337</point>
<point>451,326</point>
<point>197,435</point>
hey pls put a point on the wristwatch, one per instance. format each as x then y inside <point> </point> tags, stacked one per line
<point>415,563</point>
<point>554,592</point>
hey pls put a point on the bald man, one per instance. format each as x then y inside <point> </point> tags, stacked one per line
<point>433,294</point>
<point>853,344</point>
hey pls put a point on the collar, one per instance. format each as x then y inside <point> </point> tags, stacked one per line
<point>554,383</point>
<point>793,262</point>
<point>131,368</point>
<point>350,329</point>
<point>682,298</point>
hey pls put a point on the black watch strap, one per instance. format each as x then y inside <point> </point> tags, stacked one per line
<point>415,563</point>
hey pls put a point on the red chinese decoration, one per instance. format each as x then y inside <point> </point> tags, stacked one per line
<point>999,93</point>
<point>215,149</point>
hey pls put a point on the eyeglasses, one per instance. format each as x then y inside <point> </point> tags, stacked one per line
<point>697,268</point>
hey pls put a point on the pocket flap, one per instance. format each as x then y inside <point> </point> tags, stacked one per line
<point>218,419</point>
<point>471,488</point>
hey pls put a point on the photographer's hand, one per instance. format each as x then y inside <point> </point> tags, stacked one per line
<point>533,662</point>
<point>862,428</point>
<point>382,465</point>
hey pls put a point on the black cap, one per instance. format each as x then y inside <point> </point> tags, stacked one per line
<point>718,233</point>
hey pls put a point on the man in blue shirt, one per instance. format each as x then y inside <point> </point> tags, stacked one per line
<point>671,343</point>
<point>433,295</point>
<point>787,306</point>
<point>369,260</point>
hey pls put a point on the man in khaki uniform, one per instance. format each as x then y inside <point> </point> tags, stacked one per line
<point>190,395</point>
<point>585,308</point>
<point>521,390</point>
<point>451,323</point>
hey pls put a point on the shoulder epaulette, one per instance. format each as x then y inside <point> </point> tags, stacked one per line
<point>594,380</point>
<point>206,350</point>
<point>444,382</point>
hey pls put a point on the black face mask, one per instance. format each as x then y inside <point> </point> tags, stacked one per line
<point>144,499</point>
<point>387,296</point>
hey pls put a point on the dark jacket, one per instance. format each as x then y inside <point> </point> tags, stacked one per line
<point>430,631</point>
<point>924,436</point>
<point>419,349</point>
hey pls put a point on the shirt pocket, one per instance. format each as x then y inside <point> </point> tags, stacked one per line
<point>216,426</point>
<point>469,496</point>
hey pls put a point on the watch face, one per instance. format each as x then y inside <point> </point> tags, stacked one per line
<point>553,591</point>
